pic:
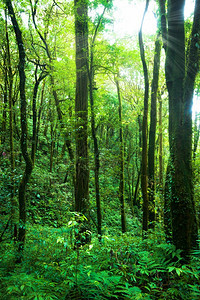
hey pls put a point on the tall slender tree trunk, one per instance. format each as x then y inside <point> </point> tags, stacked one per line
<point>24,148</point>
<point>5,100</point>
<point>160,144</point>
<point>144,175</point>
<point>81,107</point>
<point>34,110</point>
<point>135,201</point>
<point>93,127</point>
<point>121,161</point>
<point>39,114</point>
<point>152,131</point>
<point>196,134</point>
<point>96,162</point>
<point>12,156</point>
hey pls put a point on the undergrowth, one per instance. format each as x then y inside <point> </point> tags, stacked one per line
<point>121,266</point>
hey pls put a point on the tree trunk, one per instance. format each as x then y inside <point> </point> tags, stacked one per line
<point>93,127</point>
<point>160,145</point>
<point>121,162</point>
<point>144,176</point>
<point>34,110</point>
<point>167,205</point>
<point>5,99</point>
<point>152,131</point>
<point>24,148</point>
<point>52,145</point>
<point>39,114</point>
<point>12,156</point>
<point>196,134</point>
<point>96,162</point>
<point>81,107</point>
<point>180,89</point>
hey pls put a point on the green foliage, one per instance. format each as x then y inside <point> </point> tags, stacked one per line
<point>56,265</point>
<point>120,267</point>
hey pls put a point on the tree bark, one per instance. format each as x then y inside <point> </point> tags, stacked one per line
<point>34,110</point>
<point>5,99</point>
<point>144,176</point>
<point>167,206</point>
<point>81,107</point>
<point>152,131</point>
<point>39,114</point>
<point>180,89</point>
<point>93,127</point>
<point>196,134</point>
<point>121,162</point>
<point>24,148</point>
<point>12,156</point>
<point>160,145</point>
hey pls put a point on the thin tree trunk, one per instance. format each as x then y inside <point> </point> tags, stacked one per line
<point>152,131</point>
<point>39,114</point>
<point>93,127</point>
<point>196,134</point>
<point>34,110</point>
<point>51,153</point>
<point>5,100</point>
<point>97,165</point>
<point>121,162</point>
<point>12,156</point>
<point>24,148</point>
<point>135,202</point>
<point>34,136</point>
<point>144,176</point>
<point>160,145</point>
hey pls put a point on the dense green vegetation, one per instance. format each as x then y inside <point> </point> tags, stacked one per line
<point>99,153</point>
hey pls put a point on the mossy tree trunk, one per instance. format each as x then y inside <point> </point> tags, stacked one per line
<point>180,78</point>
<point>81,108</point>
<point>24,148</point>
<point>14,205</point>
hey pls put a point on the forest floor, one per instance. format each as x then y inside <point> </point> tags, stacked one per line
<point>121,266</point>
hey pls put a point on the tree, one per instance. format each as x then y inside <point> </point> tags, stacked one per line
<point>121,159</point>
<point>81,107</point>
<point>12,156</point>
<point>24,133</point>
<point>144,175</point>
<point>91,74</point>
<point>180,79</point>
<point>152,130</point>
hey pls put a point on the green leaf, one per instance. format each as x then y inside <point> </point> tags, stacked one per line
<point>170,269</point>
<point>178,271</point>
<point>197,45</point>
